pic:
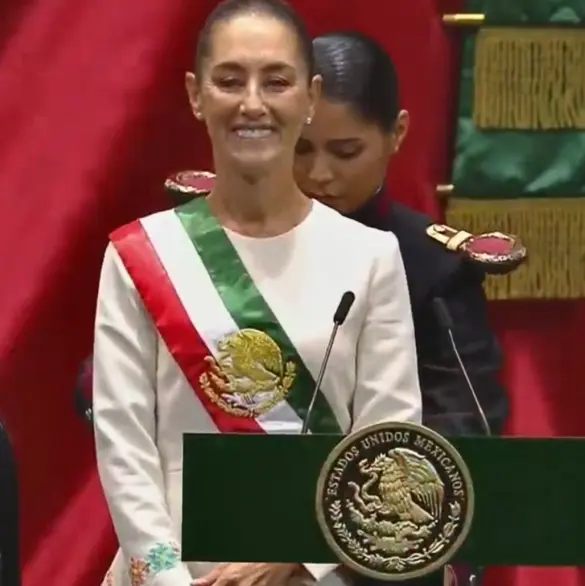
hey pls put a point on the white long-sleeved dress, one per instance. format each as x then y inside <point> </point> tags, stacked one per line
<point>177,289</point>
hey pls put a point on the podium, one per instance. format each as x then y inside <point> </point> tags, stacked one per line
<point>252,498</point>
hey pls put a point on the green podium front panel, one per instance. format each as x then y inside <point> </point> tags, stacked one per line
<point>252,498</point>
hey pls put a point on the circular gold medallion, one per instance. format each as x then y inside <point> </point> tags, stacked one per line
<point>395,501</point>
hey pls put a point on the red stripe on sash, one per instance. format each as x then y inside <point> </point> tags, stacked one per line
<point>171,320</point>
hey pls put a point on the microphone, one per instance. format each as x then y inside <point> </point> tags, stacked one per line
<point>445,320</point>
<point>339,318</point>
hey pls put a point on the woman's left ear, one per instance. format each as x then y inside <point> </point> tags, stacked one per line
<point>400,129</point>
<point>314,95</point>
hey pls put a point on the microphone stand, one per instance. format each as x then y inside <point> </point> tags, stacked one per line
<point>446,322</point>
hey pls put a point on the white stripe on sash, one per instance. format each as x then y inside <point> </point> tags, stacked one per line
<point>202,302</point>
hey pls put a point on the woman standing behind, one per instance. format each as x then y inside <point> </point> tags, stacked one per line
<point>214,317</point>
<point>342,158</point>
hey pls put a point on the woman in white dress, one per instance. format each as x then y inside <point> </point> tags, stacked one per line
<point>214,317</point>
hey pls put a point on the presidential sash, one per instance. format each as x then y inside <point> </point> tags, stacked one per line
<point>216,324</point>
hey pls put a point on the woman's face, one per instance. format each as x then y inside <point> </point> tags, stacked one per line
<point>253,92</point>
<point>341,159</point>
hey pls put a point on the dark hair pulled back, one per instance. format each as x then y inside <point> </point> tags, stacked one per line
<point>278,9</point>
<point>356,70</point>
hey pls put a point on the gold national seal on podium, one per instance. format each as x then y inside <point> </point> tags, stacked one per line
<point>395,501</point>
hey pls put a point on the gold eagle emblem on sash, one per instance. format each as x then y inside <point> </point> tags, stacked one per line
<point>249,375</point>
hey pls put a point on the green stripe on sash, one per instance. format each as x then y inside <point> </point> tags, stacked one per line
<point>247,306</point>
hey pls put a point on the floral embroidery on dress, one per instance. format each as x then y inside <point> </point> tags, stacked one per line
<point>138,572</point>
<point>163,556</point>
<point>160,557</point>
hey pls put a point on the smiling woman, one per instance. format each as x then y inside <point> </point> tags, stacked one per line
<point>253,83</point>
<point>201,323</point>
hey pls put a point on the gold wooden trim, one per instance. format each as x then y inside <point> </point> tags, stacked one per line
<point>444,191</point>
<point>464,20</point>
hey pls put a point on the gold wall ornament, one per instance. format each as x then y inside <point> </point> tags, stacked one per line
<point>464,20</point>
<point>445,189</point>
<point>249,376</point>
<point>395,501</point>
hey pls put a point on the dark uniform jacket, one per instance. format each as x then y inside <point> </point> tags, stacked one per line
<point>434,271</point>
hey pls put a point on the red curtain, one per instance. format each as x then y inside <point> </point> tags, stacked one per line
<point>93,118</point>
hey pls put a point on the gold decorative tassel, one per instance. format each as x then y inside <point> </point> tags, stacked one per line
<point>553,231</point>
<point>529,78</point>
